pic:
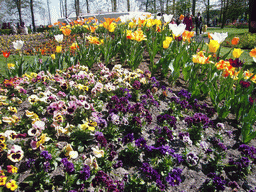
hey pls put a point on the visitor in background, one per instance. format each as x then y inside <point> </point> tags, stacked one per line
<point>199,23</point>
<point>188,22</point>
<point>14,29</point>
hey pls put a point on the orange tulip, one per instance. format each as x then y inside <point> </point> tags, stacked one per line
<point>235,41</point>
<point>181,17</point>
<point>253,52</point>
<point>6,54</point>
<point>66,31</point>
<point>209,36</point>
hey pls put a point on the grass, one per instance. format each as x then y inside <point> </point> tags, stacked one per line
<point>231,31</point>
<point>11,59</point>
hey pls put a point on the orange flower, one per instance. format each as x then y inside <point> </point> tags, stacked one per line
<point>181,17</point>
<point>118,19</point>
<point>6,54</point>
<point>42,51</point>
<point>92,28</point>
<point>74,46</point>
<point>186,35</point>
<point>66,31</point>
<point>253,52</point>
<point>209,36</point>
<point>235,41</point>
<point>50,26</point>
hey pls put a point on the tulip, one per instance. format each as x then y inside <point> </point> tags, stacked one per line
<point>18,44</point>
<point>59,38</point>
<point>6,54</point>
<point>237,53</point>
<point>220,37</point>
<point>167,18</point>
<point>253,54</point>
<point>213,46</point>
<point>235,41</point>
<point>53,56</point>
<point>177,30</point>
<point>58,49</point>
<point>181,17</point>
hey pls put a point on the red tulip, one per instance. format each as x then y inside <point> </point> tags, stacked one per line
<point>6,54</point>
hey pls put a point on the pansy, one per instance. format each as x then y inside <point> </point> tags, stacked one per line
<point>97,152</point>
<point>10,134</point>
<point>15,154</point>
<point>3,180</point>
<point>12,169</point>
<point>32,99</point>
<point>11,185</point>
<point>91,162</point>
<point>70,152</point>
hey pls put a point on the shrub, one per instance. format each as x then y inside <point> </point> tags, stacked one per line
<point>247,41</point>
<point>6,31</point>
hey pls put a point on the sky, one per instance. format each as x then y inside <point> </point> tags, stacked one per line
<point>102,5</point>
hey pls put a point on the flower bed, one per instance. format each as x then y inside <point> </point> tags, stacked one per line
<point>106,127</point>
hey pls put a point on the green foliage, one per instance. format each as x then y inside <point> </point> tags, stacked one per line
<point>5,31</point>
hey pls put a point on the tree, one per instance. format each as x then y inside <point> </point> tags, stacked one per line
<point>32,15</point>
<point>77,7</point>
<point>18,4</point>
<point>252,16</point>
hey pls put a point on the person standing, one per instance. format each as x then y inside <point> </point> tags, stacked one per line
<point>199,23</point>
<point>188,22</point>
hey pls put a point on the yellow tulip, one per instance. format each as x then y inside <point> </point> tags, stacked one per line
<point>213,46</point>
<point>53,56</point>
<point>58,49</point>
<point>237,53</point>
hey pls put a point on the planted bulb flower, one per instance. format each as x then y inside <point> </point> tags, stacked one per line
<point>213,46</point>
<point>237,53</point>
<point>220,37</point>
<point>177,30</point>
<point>59,38</point>
<point>167,18</point>
<point>18,44</point>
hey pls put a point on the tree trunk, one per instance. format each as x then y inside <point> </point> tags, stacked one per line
<point>50,21</point>
<point>32,15</point>
<point>77,8</point>
<point>161,6</point>
<point>61,13</point>
<point>252,16</point>
<point>193,7</point>
<point>173,7</point>
<point>154,2</point>
<point>224,17</point>
<point>66,8</point>
<point>167,7</point>
<point>147,5</point>
<point>128,5</point>
<point>18,4</point>
<point>208,12</point>
<point>87,6</point>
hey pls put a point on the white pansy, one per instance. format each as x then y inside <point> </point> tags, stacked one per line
<point>18,44</point>
<point>97,153</point>
<point>177,30</point>
<point>59,38</point>
<point>220,37</point>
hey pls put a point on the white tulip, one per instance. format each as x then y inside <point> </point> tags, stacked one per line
<point>167,18</point>
<point>220,37</point>
<point>59,38</point>
<point>18,44</point>
<point>177,30</point>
